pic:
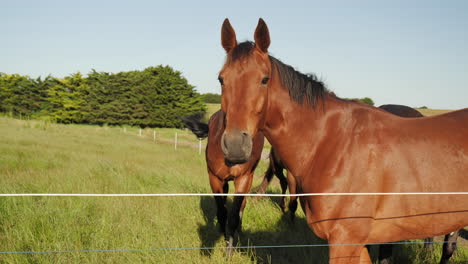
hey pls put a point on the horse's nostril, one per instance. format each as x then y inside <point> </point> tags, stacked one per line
<point>224,144</point>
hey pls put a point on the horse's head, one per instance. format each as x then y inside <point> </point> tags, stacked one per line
<point>244,79</point>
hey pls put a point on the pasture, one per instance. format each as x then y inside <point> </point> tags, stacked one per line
<point>40,157</point>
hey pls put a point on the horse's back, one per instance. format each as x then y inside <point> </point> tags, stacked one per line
<point>451,128</point>
<point>425,147</point>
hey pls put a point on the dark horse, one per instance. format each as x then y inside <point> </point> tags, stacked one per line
<point>220,172</point>
<point>276,167</point>
<point>333,145</point>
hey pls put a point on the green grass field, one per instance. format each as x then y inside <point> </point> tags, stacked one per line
<point>39,157</point>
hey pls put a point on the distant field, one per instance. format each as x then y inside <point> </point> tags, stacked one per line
<point>212,108</point>
<point>430,112</point>
<point>39,157</point>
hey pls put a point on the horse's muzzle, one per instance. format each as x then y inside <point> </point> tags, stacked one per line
<point>236,146</point>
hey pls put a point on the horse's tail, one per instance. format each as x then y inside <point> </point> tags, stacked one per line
<point>194,123</point>
<point>463,233</point>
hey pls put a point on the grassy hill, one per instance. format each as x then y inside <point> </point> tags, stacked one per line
<point>38,157</point>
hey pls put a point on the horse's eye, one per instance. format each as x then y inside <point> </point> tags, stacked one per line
<point>265,80</point>
<point>221,80</point>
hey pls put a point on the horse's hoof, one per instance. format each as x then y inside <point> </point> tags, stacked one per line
<point>292,217</point>
<point>385,261</point>
<point>229,247</point>
<point>283,209</point>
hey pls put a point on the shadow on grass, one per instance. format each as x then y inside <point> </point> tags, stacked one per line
<point>286,233</point>
<point>297,233</point>
<point>208,233</point>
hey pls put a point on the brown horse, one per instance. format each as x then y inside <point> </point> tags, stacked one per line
<point>333,145</point>
<point>450,244</point>
<point>220,171</point>
<point>276,167</point>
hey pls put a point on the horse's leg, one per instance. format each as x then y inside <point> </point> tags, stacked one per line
<point>218,186</point>
<point>450,245</point>
<point>242,185</point>
<point>429,244</point>
<point>347,240</point>
<point>241,212</point>
<point>293,199</point>
<point>268,177</point>
<point>284,185</point>
<point>385,253</point>
<point>349,254</point>
<point>365,257</point>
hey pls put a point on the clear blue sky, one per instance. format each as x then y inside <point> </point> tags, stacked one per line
<point>405,52</point>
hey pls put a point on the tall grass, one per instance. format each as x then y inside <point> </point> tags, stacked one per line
<point>40,157</point>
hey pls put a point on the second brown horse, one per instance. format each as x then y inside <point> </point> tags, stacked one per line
<point>221,171</point>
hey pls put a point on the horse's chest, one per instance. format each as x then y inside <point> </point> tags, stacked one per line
<point>236,171</point>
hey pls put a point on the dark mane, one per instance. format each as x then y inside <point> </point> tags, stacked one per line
<point>300,86</point>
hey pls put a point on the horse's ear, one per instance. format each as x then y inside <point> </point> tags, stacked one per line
<point>228,36</point>
<point>262,36</point>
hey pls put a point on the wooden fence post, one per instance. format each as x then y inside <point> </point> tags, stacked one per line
<point>154,135</point>
<point>175,141</point>
<point>199,146</point>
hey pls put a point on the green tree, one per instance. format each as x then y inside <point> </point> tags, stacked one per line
<point>155,97</point>
<point>66,99</point>
<point>165,95</point>
<point>110,99</point>
<point>21,95</point>
<point>367,100</point>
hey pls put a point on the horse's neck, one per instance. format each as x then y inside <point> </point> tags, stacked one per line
<point>295,129</point>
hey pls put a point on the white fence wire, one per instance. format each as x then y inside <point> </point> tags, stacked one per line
<point>219,194</point>
<point>224,194</point>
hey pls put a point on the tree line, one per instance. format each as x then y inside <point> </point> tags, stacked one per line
<point>154,97</point>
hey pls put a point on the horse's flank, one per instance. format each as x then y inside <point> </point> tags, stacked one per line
<point>355,148</point>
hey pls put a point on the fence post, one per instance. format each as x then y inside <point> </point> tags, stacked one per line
<point>175,141</point>
<point>125,130</point>
<point>154,135</point>
<point>199,146</point>
<point>139,132</point>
